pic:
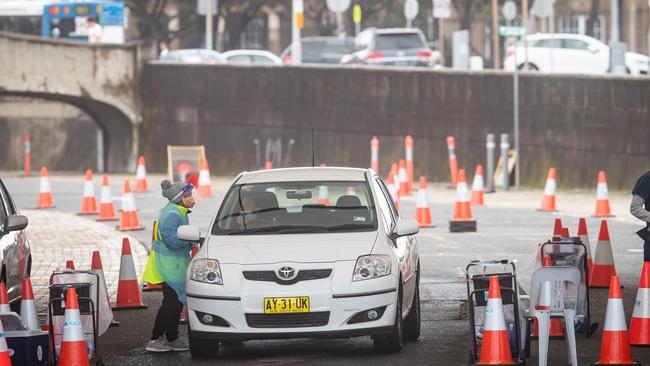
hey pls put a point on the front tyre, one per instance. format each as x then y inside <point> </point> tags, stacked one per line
<point>412,321</point>
<point>202,348</point>
<point>392,343</point>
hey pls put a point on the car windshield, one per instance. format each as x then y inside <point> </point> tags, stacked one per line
<point>393,41</point>
<point>296,207</point>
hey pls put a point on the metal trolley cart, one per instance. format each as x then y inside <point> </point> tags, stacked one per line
<point>86,285</point>
<point>477,276</point>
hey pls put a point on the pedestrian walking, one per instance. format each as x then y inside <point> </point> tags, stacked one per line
<point>167,265</point>
<point>640,208</point>
<point>94,30</point>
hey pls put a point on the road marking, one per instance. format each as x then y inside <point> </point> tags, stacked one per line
<point>635,250</point>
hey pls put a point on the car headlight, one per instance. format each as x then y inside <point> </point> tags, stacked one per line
<point>206,271</point>
<point>371,266</point>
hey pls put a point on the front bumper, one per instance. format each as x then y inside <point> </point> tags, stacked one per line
<point>339,297</point>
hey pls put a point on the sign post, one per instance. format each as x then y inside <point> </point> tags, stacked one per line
<point>442,10</point>
<point>411,9</point>
<point>356,18</point>
<point>297,23</point>
<point>338,6</point>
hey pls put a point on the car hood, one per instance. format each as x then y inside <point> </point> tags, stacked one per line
<point>633,56</point>
<point>263,249</point>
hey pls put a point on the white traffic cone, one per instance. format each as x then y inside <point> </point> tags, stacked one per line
<point>73,343</point>
<point>28,307</point>
<point>5,360</point>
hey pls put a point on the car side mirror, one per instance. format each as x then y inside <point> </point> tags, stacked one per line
<point>16,223</point>
<point>188,233</point>
<point>406,227</point>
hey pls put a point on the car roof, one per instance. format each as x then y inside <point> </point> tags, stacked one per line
<point>537,36</point>
<point>303,174</point>
<point>396,30</point>
<point>247,52</point>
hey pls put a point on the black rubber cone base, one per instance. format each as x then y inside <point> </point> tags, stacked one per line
<point>616,364</point>
<point>462,226</point>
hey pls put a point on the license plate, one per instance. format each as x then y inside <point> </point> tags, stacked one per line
<point>277,305</point>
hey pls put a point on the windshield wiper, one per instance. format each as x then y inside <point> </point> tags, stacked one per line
<point>280,229</point>
<point>351,227</point>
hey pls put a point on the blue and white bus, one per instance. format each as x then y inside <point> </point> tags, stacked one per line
<point>64,19</point>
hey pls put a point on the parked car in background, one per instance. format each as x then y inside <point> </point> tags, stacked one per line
<point>322,50</point>
<point>569,53</point>
<point>393,47</point>
<point>15,253</point>
<point>304,253</point>
<point>193,56</point>
<point>251,57</point>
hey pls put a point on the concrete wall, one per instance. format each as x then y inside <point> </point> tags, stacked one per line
<point>579,124</point>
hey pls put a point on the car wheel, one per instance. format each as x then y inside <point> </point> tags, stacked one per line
<point>412,321</point>
<point>200,347</point>
<point>531,67</point>
<point>392,342</point>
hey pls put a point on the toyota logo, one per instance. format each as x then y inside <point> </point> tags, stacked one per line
<point>286,273</point>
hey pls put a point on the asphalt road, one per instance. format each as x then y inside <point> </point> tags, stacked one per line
<point>502,233</point>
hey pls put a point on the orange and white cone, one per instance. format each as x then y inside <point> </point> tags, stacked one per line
<point>4,300</point>
<point>392,189</point>
<point>565,232</point>
<point>403,178</point>
<point>408,154</point>
<point>557,228</point>
<point>45,199</point>
<point>615,347</point>
<point>268,165</point>
<point>106,207</point>
<point>640,323</point>
<point>495,347</point>
<point>89,203</point>
<point>478,188</point>
<point>544,303</point>
<point>584,238</point>
<point>548,201</point>
<point>374,154</point>
<point>205,185</point>
<point>602,199</point>
<point>73,343</point>
<point>141,184</point>
<point>28,306</point>
<point>422,211</point>
<point>128,290</point>
<point>453,163</point>
<point>462,221</point>
<point>323,195</point>
<point>129,219</point>
<point>604,267</point>
<point>5,360</point>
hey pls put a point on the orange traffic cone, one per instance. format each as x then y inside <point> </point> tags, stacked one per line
<point>453,163</point>
<point>422,211</point>
<point>544,303</point>
<point>73,343</point>
<point>5,360</point>
<point>478,187</point>
<point>106,207</point>
<point>89,203</point>
<point>403,178</point>
<point>4,300</point>
<point>146,286</point>
<point>141,184</point>
<point>28,306</point>
<point>640,323</point>
<point>129,219</point>
<point>96,265</point>
<point>268,165</point>
<point>615,347</point>
<point>462,221</point>
<point>205,186</point>
<point>69,264</point>
<point>602,200</point>
<point>408,154</point>
<point>565,232</point>
<point>584,238</point>
<point>392,189</point>
<point>45,199</point>
<point>604,267</point>
<point>128,291</point>
<point>548,201</point>
<point>374,154</point>
<point>495,348</point>
<point>557,228</point>
<point>323,195</point>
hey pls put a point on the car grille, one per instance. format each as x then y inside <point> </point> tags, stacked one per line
<point>294,320</point>
<point>303,275</point>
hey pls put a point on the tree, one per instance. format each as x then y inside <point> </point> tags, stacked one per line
<point>153,18</point>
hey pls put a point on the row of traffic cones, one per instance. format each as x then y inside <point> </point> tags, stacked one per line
<point>407,176</point>
<point>602,199</point>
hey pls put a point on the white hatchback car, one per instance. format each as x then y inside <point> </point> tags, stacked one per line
<point>304,253</point>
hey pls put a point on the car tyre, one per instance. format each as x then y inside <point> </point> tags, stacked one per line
<point>412,321</point>
<point>392,342</point>
<point>202,348</point>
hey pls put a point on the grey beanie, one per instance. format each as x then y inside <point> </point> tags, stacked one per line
<point>171,191</point>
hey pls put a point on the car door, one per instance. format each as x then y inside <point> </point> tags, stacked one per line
<point>403,246</point>
<point>9,242</point>
<point>580,59</point>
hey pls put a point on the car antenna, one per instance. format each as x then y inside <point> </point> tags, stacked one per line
<point>313,149</point>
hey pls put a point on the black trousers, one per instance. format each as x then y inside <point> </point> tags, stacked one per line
<point>168,316</point>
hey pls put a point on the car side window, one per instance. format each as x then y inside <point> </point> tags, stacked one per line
<point>3,209</point>
<point>576,44</point>
<point>549,43</point>
<point>383,201</point>
<point>391,203</point>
